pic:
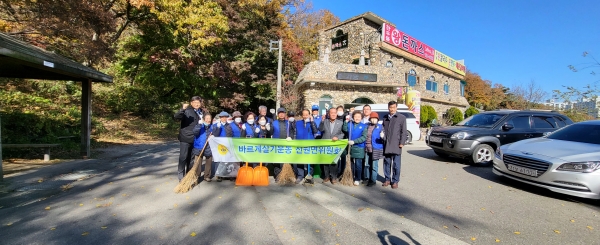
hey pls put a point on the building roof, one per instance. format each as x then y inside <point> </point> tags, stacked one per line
<point>368,15</point>
<point>19,59</point>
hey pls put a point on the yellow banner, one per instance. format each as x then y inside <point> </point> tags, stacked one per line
<point>447,62</point>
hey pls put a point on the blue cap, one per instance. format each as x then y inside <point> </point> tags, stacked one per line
<point>315,107</point>
<point>223,114</point>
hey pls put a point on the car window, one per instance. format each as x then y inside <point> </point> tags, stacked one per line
<point>584,133</point>
<point>384,114</point>
<point>543,122</point>
<point>408,114</point>
<point>560,122</point>
<point>481,120</point>
<point>520,122</point>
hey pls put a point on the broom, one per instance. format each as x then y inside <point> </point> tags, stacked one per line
<point>191,178</point>
<point>347,177</point>
<point>287,175</point>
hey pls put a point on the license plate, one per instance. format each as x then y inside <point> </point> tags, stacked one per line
<point>522,170</point>
<point>435,139</point>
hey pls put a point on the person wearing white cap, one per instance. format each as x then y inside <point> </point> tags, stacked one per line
<point>218,131</point>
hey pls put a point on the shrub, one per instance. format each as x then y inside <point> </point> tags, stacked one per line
<point>454,115</point>
<point>427,115</point>
<point>471,111</point>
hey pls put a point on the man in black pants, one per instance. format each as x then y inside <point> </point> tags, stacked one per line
<point>189,116</point>
<point>331,129</point>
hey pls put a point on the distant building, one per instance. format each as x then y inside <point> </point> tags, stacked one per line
<point>366,59</point>
<point>591,106</point>
<point>554,104</point>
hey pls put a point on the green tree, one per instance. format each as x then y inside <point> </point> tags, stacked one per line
<point>428,114</point>
<point>454,115</point>
<point>471,111</point>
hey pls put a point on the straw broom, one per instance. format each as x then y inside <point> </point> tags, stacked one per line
<point>191,178</point>
<point>287,175</point>
<point>347,177</point>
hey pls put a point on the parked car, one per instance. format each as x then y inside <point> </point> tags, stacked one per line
<point>477,137</point>
<point>566,161</point>
<point>412,123</point>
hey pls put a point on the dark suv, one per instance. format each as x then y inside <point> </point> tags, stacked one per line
<point>477,137</point>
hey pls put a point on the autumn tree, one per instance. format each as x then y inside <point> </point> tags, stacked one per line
<point>527,96</point>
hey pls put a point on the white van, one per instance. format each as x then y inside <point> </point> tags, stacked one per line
<point>412,123</point>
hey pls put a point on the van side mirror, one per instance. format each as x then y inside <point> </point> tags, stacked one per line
<point>507,127</point>
<point>434,123</point>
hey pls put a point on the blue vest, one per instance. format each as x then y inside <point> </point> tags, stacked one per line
<point>304,130</point>
<point>237,131</point>
<point>276,129</point>
<point>318,120</point>
<point>355,131</point>
<point>200,140</point>
<point>250,130</point>
<point>376,140</point>
<point>220,131</point>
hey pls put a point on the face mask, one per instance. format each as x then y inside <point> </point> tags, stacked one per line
<point>250,121</point>
<point>374,121</point>
<point>205,124</point>
<point>262,123</point>
<point>340,113</point>
<point>229,121</point>
<point>307,120</point>
<point>238,120</point>
<point>292,119</point>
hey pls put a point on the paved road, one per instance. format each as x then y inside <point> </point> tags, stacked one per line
<point>130,200</point>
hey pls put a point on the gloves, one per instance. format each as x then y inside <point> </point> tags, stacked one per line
<point>382,135</point>
<point>268,126</point>
<point>219,124</point>
<point>351,142</point>
<point>210,137</point>
<point>201,121</point>
<point>244,126</point>
<point>288,138</point>
<point>257,130</point>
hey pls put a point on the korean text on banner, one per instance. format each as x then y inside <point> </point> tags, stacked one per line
<point>276,150</point>
<point>447,62</point>
<point>407,43</point>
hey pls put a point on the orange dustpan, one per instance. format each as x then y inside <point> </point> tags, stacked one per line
<point>261,176</point>
<point>245,176</point>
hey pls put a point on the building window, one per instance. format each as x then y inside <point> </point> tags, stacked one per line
<point>411,78</point>
<point>446,88</point>
<point>339,33</point>
<point>431,84</point>
<point>462,88</point>
<point>389,64</point>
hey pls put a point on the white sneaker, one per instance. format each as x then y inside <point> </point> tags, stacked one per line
<point>356,183</point>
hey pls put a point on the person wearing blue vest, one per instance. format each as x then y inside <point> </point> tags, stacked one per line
<point>374,149</point>
<point>281,129</point>
<point>234,129</point>
<point>262,111</point>
<point>306,129</point>
<point>202,132</point>
<point>357,135</point>
<point>220,131</point>
<point>316,118</point>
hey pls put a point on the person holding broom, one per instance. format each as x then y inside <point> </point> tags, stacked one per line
<point>331,129</point>
<point>281,129</point>
<point>374,149</point>
<point>306,129</point>
<point>357,135</point>
<point>189,117</point>
<point>202,132</point>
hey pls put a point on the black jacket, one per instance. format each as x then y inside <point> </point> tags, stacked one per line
<point>189,119</point>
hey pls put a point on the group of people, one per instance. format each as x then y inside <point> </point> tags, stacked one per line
<point>368,139</point>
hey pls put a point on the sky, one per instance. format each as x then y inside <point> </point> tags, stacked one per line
<point>508,42</point>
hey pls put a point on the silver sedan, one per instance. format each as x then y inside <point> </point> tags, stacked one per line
<point>566,161</point>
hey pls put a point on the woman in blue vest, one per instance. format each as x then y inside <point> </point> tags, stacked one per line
<point>374,148</point>
<point>201,135</point>
<point>219,131</point>
<point>234,129</point>
<point>306,129</point>
<point>357,135</point>
<point>252,129</point>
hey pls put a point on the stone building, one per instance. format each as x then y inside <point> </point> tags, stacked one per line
<point>362,61</point>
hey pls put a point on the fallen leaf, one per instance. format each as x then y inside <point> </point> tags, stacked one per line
<point>490,188</point>
<point>124,195</point>
<point>284,231</point>
<point>157,190</point>
<point>103,227</point>
<point>219,197</point>
<point>572,221</point>
<point>483,209</point>
<point>187,197</point>
<point>297,195</point>
<point>445,227</point>
<point>195,213</point>
<point>337,234</point>
<point>589,227</point>
<point>557,231</point>
<point>329,214</point>
<point>491,211</point>
<point>517,233</point>
<point>47,208</point>
<point>449,207</point>
<point>53,228</point>
<point>333,224</point>
<point>85,233</point>
<point>193,234</point>
<point>317,231</point>
<point>401,216</point>
<point>473,238</point>
<point>40,180</point>
<point>175,205</point>
<point>360,209</point>
<point>456,227</point>
<point>497,240</point>
<point>444,178</point>
<point>81,204</point>
<point>110,183</point>
<point>9,224</point>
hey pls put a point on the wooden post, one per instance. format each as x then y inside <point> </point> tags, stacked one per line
<point>86,117</point>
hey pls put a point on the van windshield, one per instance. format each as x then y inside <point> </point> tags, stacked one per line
<point>383,114</point>
<point>483,120</point>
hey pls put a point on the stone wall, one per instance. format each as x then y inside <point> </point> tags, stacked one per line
<point>356,41</point>
<point>343,94</point>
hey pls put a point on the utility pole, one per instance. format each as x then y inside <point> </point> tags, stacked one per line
<point>1,173</point>
<point>279,70</point>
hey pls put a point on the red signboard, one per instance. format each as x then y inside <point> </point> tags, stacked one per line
<point>402,40</point>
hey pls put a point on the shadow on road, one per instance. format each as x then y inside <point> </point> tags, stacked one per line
<point>394,240</point>
<point>429,154</point>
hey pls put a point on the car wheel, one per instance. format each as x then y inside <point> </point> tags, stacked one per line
<point>483,155</point>
<point>441,154</point>
<point>408,138</point>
